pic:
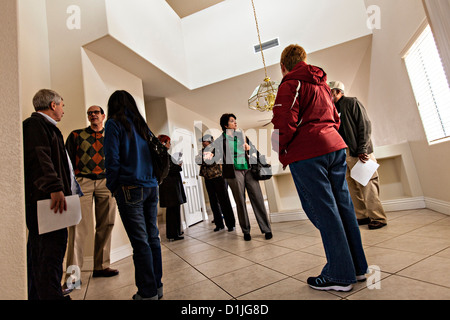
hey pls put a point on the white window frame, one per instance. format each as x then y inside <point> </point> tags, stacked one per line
<point>429,84</point>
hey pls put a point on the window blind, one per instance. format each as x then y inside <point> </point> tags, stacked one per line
<point>430,86</point>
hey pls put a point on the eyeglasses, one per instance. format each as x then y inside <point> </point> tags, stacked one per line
<point>90,113</point>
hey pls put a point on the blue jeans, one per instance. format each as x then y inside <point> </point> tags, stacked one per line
<point>325,198</point>
<point>138,211</point>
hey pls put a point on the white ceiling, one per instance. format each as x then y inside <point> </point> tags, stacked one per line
<point>185,8</point>
<point>230,94</point>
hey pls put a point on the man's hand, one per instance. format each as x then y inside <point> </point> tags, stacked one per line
<point>58,202</point>
<point>363,157</point>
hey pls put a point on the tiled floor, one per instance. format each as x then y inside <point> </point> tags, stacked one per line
<point>412,252</point>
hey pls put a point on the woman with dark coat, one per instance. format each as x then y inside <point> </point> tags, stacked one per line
<point>130,177</point>
<point>172,195</point>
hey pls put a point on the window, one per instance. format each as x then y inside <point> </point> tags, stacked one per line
<point>430,86</point>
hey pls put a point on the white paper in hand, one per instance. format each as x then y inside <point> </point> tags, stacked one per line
<point>49,221</point>
<point>363,172</point>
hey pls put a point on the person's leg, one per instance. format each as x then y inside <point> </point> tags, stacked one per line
<point>105,216</point>
<point>172,224</point>
<point>355,191</point>
<point>237,186</point>
<point>151,217</point>
<point>344,202</point>
<point>130,201</point>
<point>214,203</point>
<point>311,179</point>
<point>371,194</point>
<point>221,190</point>
<point>78,233</point>
<point>257,200</point>
<point>47,254</point>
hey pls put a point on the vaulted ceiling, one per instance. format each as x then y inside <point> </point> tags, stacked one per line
<point>217,39</point>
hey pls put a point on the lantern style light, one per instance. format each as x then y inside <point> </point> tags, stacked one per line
<point>263,97</point>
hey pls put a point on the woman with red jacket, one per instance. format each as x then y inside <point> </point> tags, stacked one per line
<point>307,139</point>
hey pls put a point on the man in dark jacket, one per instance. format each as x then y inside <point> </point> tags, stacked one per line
<point>356,130</point>
<point>306,137</point>
<point>47,176</point>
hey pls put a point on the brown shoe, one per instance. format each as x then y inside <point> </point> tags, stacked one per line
<point>363,221</point>
<point>108,272</point>
<point>376,225</point>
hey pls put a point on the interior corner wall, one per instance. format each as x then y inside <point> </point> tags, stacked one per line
<point>391,104</point>
<point>65,44</point>
<point>13,262</point>
<point>156,111</point>
<point>34,56</point>
<point>179,117</point>
<point>101,78</point>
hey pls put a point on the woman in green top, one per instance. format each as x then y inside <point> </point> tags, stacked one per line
<point>232,149</point>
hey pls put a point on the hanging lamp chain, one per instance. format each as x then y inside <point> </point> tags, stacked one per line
<point>259,39</point>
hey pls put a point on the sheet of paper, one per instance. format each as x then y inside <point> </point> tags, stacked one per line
<point>363,172</point>
<point>49,221</point>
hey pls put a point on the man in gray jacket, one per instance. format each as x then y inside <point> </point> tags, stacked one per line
<point>356,129</point>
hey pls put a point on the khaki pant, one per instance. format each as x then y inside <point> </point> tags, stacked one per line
<point>105,214</point>
<point>366,200</point>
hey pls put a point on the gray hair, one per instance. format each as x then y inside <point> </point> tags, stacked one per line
<point>44,97</point>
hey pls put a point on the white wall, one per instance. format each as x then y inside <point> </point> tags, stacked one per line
<point>101,78</point>
<point>151,29</point>
<point>34,56</point>
<point>392,106</point>
<point>13,263</point>
<point>65,54</point>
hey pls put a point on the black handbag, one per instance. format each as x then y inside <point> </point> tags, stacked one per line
<point>160,158</point>
<point>261,170</point>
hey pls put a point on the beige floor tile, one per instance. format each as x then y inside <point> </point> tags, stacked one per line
<point>413,252</point>
<point>434,230</point>
<point>263,253</point>
<point>223,265</point>
<point>174,264</point>
<point>298,242</point>
<point>202,290</point>
<point>420,217</point>
<point>101,286</point>
<point>373,237</point>
<point>237,244</point>
<point>294,262</point>
<point>205,256</point>
<point>180,279</point>
<point>444,253</point>
<point>433,269</point>
<point>418,244</point>
<point>122,293</point>
<point>390,260</point>
<point>186,251</point>
<point>400,288</point>
<point>247,279</point>
<point>80,292</point>
<point>288,289</point>
<point>316,249</point>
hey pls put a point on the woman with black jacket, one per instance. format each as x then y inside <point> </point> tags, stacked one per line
<point>172,195</point>
<point>233,152</point>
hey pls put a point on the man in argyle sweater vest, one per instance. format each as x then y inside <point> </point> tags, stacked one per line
<point>85,149</point>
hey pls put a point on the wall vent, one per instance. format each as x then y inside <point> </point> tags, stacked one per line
<point>267,45</point>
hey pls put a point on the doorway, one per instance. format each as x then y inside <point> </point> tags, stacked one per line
<point>184,146</point>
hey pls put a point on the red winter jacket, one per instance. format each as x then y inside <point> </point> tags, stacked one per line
<point>305,116</point>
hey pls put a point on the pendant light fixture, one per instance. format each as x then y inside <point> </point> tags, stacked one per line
<point>263,97</point>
